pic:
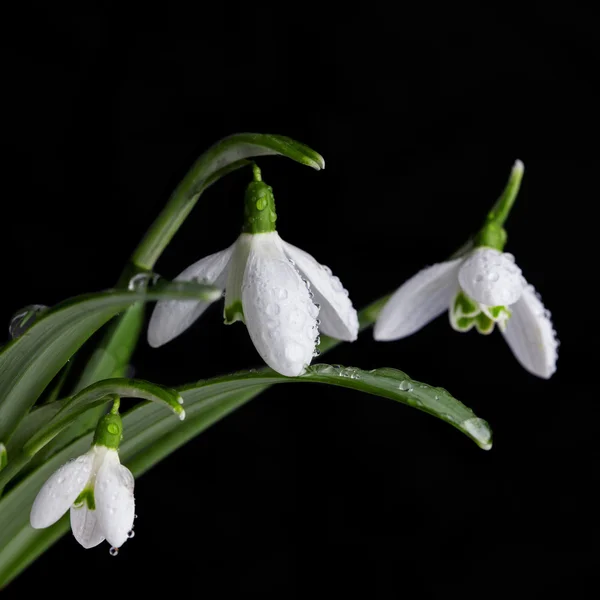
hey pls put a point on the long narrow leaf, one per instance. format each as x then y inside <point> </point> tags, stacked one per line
<point>29,363</point>
<point>219,157</point>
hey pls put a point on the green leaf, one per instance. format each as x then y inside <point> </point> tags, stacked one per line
<point>29,363</point>
<point>221,158</point>
<point>151,434</point>
<point>65,412</point>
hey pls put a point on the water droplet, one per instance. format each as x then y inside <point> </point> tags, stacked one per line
<point>327,270</point>
<point>318,322</point>
<point>272,309</point>
<point>313,311</point>
<point>336,284</point>
<point>23,319</point>
<point>405,386</point>
<point>272,324</point>
<point>112,429</point>
<point>61,480</point>
<point>135,516</point>
<point>113,551</point>
<point>261,203</point>
<point>180,400</point>
<point>131,533</point>
<point>111,511</point>
<point>140,281</point>
<point>272,216</point>
<point>316,353</point>
<point>493,276</point>
<point>182,415</point>
<point>282,294</point>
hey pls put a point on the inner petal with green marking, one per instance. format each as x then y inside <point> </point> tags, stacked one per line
<point>466,313</point>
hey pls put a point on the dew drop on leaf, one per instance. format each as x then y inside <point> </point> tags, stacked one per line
<point>24,318</point>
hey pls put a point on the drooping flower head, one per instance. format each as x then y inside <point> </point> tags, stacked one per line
<point>282,294</point>
<point>95,487</point>
<point>480,288</point>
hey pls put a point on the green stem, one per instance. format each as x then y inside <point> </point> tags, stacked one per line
<point>172,216</point>
<point>501,209</point>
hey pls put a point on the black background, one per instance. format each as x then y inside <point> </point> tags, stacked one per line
<point>419,113</point>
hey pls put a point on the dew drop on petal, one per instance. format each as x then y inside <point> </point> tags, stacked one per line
<point>131,533</point>
<point>272,309</point>
<point>113,551</point>
<point>182,415</point>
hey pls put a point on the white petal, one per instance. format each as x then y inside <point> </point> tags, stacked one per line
<point>61,490</point>
<point>338,317</point>
<point>280,316</point>
<point>172,317</point>
<point>115,505</point>
<point>418,301</point>
<point>530,335</point>
<point>491,277</point>
<point>85,526</point>
<point>235,278</point>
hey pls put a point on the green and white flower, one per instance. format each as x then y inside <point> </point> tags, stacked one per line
<point>282,294</point>
<point>96,488</point>
<point>480,289</point>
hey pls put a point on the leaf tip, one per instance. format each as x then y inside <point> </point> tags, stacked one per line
<point>480,431</point>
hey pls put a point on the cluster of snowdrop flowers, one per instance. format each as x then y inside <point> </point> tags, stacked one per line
<point>282,294</point>
<point>480,289</point>
<point>96,488</point>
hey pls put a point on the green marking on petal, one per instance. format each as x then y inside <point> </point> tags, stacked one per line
<point>465,305</point>
<point>86,496</point>
<point>234,312</point>
<point>484,324</point>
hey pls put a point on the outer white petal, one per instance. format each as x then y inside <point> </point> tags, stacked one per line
<point>418,301</point>
<point>491,277</point>
<point>338,316</point>
<point>115,505</point>
<point>172,317</point>
<point>530,335</point>
<point>61,490</point>
<point>85,526</point>
<point>280,315</point>
<point>235,278</point>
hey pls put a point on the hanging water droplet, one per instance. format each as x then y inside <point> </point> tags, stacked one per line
<point>131,533</point>
<point>135,516</point>
<point>182,415</point>
<point>113,551</point>
<point>316,353</point>
<point>23,319</point>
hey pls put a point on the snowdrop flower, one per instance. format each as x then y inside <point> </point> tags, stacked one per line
<point>279,291</point>
<point>96,488</point>
<point>480,289</point>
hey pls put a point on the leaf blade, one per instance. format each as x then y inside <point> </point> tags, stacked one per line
<point>29,363</point>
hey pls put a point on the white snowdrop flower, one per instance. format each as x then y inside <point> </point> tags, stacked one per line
<point>282,294</point>
<point>96,488</point>
<point>480,289</point>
